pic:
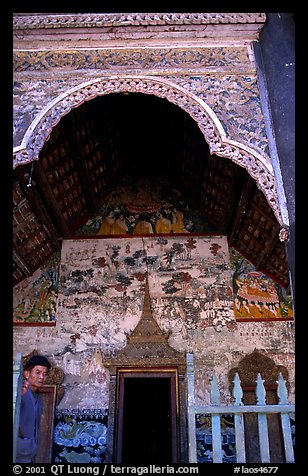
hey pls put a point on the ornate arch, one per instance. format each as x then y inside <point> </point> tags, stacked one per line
<point>257,166</point>
<point>254,363</point>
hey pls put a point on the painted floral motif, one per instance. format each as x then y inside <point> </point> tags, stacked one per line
<point>116,59</point>
<point>233,99</point>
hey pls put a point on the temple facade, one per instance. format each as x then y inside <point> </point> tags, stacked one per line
<point>153,220</point>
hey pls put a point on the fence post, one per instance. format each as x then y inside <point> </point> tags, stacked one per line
<point>285,420</point>
<point>262,421</point>
<point>17,382</point>
<point>239,421</point>
<point>191,414</point>
<point>216,429</point>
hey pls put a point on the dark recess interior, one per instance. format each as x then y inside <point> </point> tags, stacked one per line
<point>147,421</point>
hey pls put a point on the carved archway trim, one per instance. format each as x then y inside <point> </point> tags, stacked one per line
<point>258,167</point>
<point>94,20</point>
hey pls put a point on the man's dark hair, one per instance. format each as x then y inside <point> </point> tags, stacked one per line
<point>37,360</point>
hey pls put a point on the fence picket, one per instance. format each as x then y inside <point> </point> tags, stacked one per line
<point>237,390</point>
<point>239,421</point>
<point>216,429</point>
<point>262,422</point>
<point>238,409</point>
<point>17,383</point>
<point>282,393</point>
<point>191,413</point>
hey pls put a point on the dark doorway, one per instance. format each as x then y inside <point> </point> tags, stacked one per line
<point>147,414</point>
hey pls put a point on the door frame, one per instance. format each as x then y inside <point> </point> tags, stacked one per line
<point>45,441</point>
<point>156,372</point>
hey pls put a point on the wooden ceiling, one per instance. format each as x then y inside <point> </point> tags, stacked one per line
<point>96,144</point>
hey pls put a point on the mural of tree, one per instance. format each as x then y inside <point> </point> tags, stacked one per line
<point>162,242</point>
<point>168,257</point>
<point>139,254</point>
<point>100,262</point>
<point>178,249</point>
<point>129,262</point>
<point>150,260</point>
<point>190,245</point>
<point>123,283</point>
<point>181,279</point>
<point>214,248</point>
<point>140,276</point>
<point>169,287</point>
<point>115,253</point>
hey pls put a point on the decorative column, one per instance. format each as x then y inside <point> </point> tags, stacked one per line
<point>191,415</point>
<point>17,381</point>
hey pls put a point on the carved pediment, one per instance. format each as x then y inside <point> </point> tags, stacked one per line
<point>254,363</point>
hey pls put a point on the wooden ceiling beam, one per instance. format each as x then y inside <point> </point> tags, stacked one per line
<point>79,162</point>
<point>268,249</point>
<point>47,193</point>
<point>20,262</point>
<point>232,200</point>
<point>37,207</point>
<point>243,204</point>
<point>33,255</point>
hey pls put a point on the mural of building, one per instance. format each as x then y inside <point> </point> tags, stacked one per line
<point>153,218</point>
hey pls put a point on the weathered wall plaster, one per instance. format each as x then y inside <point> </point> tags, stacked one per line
<point>100,300</point>
<point>98,303</point>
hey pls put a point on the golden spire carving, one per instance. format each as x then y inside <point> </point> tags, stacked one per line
<point>147,329</point>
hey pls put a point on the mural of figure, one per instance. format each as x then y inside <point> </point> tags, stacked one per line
<point>163,225</point>
<point>106,227</point>
<point>143,226</point>
<point>95,368</point>
<point>182,319</point>
<point>178,224</point>
<point>70,365</point>
<point>44,288</point>
<point>119,226</point>
<point>27,303</point>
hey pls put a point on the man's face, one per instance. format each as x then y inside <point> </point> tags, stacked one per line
<point>36,377</point>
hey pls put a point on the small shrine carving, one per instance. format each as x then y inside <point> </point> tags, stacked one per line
<point>254,363</point>
<point>147,348</point>
<point>147,345</point>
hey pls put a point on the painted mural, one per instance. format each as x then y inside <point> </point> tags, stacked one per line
<point>35,298</point>
<point>190,284</point>
<point>86,373</point>
<point>256,296</point>
<point>141,206</point>
<point>80,428</point>
<point>80,436</point>
<point>185,281</point>
<point>189,281</point>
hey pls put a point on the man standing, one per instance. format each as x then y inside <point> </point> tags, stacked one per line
<point>35,372</point>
